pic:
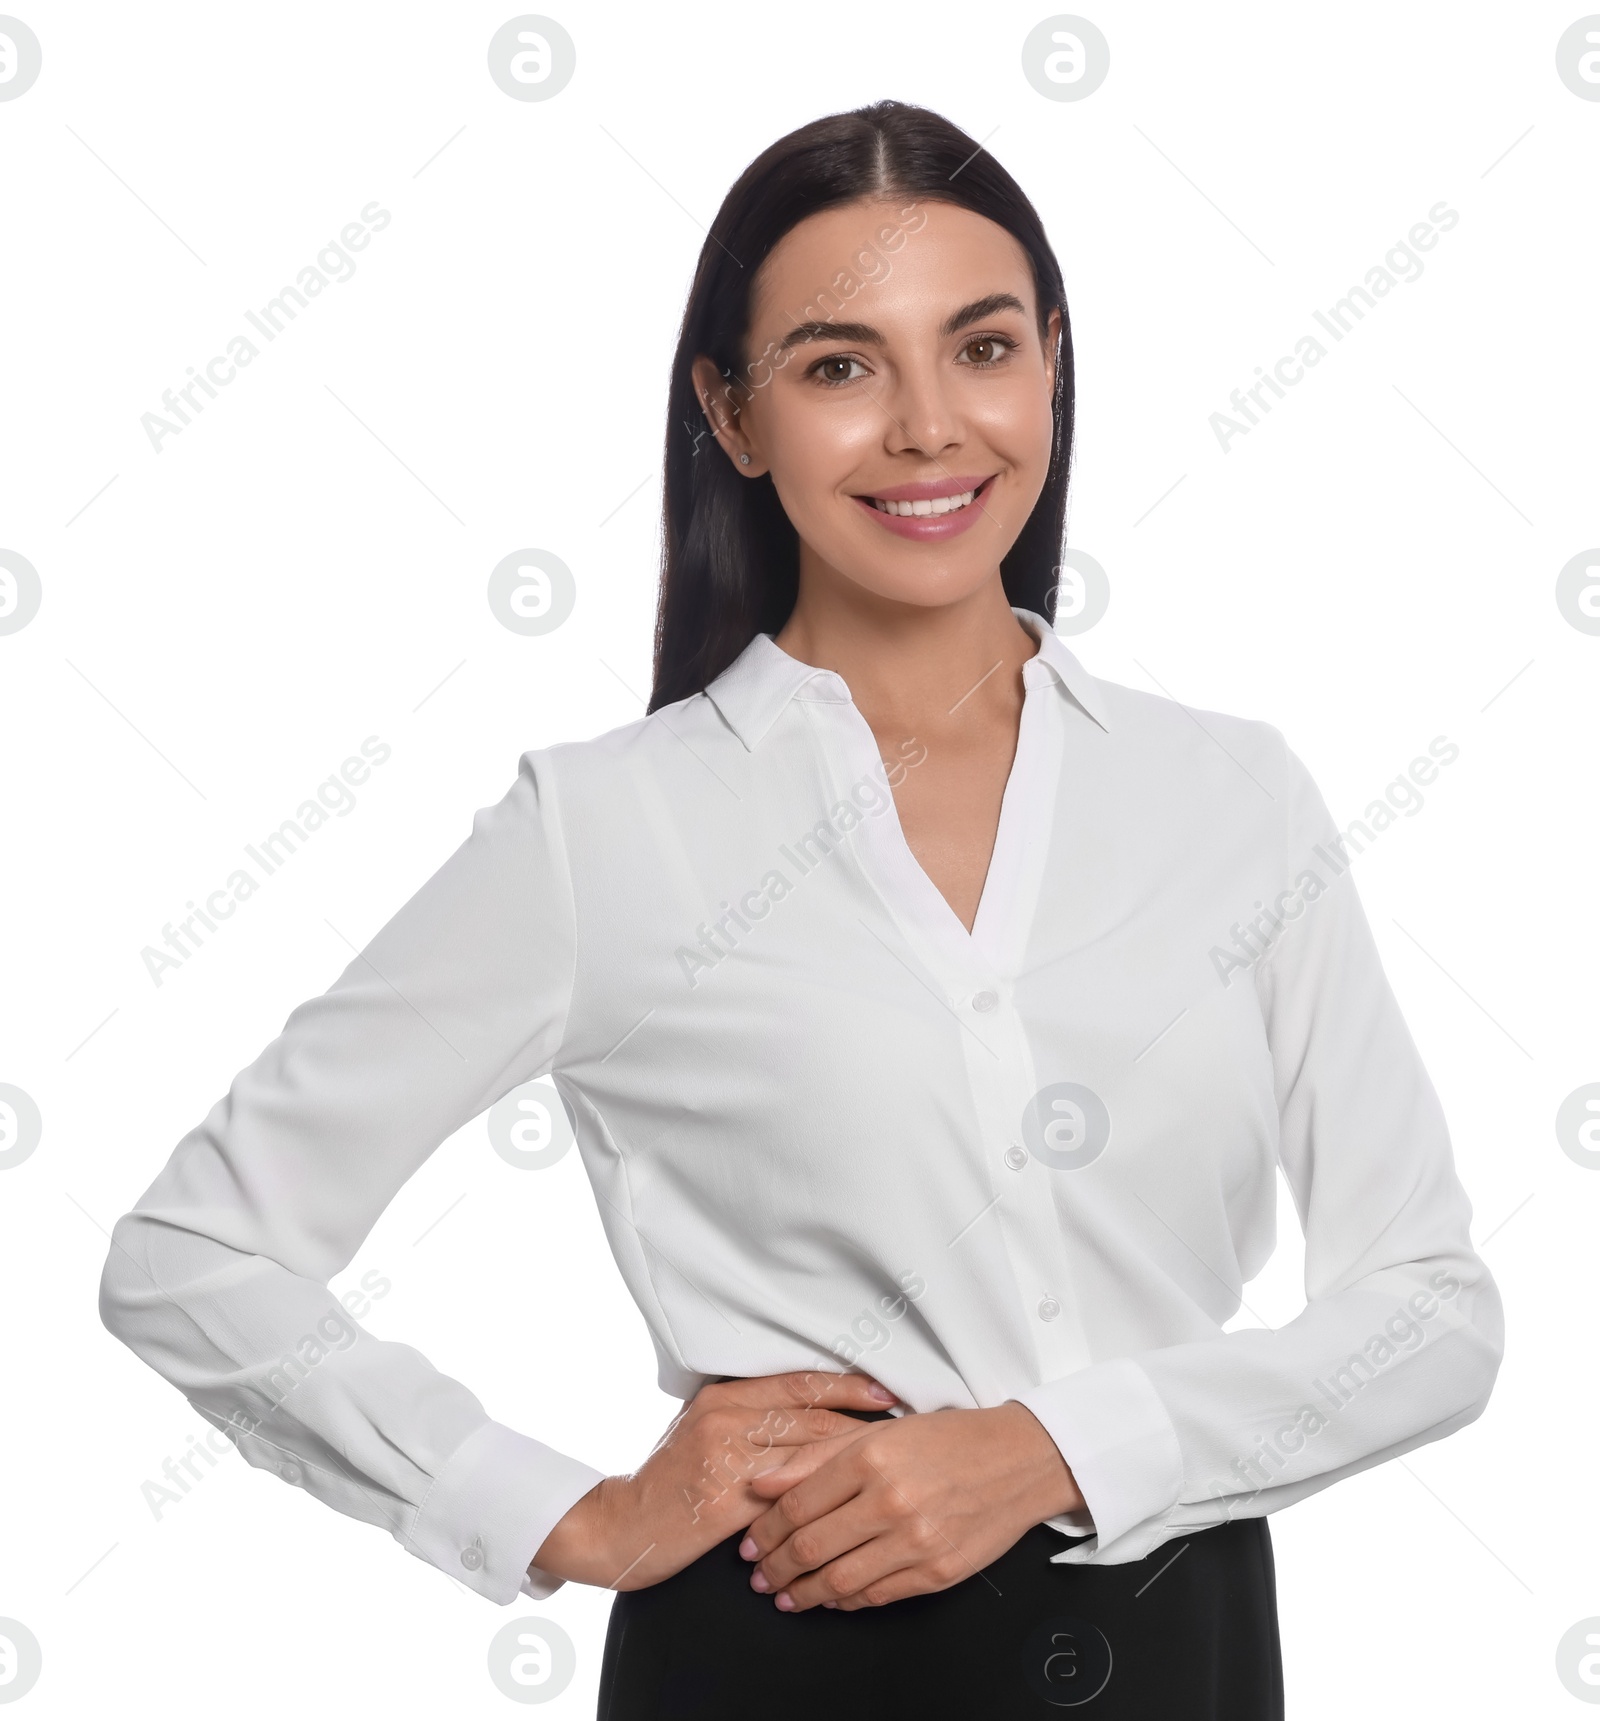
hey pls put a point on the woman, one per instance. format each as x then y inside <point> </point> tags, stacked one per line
<point>932,1017</point>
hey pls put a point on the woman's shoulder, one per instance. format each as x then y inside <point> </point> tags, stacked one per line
<point>665,743</point>
<point>1164,739</point>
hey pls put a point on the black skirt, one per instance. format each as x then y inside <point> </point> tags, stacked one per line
<point>1189,1633</point>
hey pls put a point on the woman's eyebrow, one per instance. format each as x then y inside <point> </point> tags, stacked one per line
<point>980,309</point>
<point>866,335</point>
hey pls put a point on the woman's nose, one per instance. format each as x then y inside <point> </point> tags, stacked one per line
<point>923,417</point>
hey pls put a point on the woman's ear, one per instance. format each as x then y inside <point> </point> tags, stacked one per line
<point>720,401</point>
<point>1052,345</point>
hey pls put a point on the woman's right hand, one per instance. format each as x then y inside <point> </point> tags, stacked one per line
<point>693,1492</point>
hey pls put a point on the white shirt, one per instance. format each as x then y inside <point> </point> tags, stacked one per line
<point>826,1125</point>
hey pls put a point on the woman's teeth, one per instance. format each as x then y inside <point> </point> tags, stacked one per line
<point>936,505</point>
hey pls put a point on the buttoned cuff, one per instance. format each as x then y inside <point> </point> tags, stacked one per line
<point>1109,1424</point>
<point>490,1508</point>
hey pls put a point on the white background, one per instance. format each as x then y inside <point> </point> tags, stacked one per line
<point>224,621</point>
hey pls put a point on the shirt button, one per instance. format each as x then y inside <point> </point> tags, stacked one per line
<point>472,1557</point>
<point>1016,1157</point>
<point>290,1472</point>
<point>984,1000</point>
<point>1049,1309</point>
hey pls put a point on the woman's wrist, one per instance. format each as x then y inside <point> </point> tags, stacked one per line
<point>1058,1490</point>
<point>576,1548</point>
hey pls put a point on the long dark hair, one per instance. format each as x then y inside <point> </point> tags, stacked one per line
<point>730,560</point>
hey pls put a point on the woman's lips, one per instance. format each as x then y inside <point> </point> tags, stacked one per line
<point>925,528</point>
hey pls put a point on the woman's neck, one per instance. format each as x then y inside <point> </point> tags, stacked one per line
<point>908,664</point>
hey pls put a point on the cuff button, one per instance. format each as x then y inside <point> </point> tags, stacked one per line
<point>472,1558</point>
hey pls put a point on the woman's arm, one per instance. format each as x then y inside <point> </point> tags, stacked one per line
<point>1402,1333</point>
<point>218,1277</point>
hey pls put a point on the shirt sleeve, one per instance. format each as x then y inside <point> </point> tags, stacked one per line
<point>218,1277</point>
<point>1402,1333</point>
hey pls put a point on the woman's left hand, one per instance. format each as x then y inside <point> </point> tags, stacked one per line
<point>915,1504</point>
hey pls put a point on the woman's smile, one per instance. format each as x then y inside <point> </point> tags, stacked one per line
<point>935,509</point>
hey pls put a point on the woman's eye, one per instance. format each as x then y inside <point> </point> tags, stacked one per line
<point>991,349</point>
<point>836,368</point>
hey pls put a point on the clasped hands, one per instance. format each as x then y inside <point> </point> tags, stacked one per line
<point>837,1512</point>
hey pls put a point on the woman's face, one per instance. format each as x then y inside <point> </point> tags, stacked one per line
<point>894,356</point>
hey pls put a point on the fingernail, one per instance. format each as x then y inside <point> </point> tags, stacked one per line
<point>879,1391</point>
<point>784,1600</point>
<point>758,1581</point>
<point>748,1548</point>
<point>830,1604</point>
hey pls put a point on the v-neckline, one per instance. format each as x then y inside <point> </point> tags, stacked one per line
<point>1011,879</point>
<point>1000,871</point>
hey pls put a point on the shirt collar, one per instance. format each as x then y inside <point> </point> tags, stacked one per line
<point>752,691</point>
<point>1053,658</point>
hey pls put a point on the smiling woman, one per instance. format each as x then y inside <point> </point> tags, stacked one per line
<point>890,509</point>
<point>930,251</point>
<point>982,1050</point>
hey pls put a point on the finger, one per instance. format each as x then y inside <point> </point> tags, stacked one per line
<point>802,1427</point>
<point>896,1586</point>
<point>740,1450</point>
<point>793,1464</point>
<point>813,1546</point>
<point>869,1575</point>
<point>750,1434</point>
<point>837,1480</point>
<point>803,1389</point>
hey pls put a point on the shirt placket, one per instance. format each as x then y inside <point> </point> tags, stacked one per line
<point>975,976</point>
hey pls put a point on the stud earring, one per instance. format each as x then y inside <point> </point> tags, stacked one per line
<point>744,459</point>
